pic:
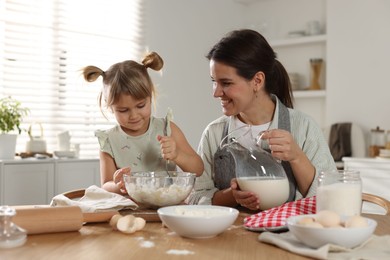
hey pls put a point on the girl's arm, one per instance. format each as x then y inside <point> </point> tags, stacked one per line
<point>177,149</point>
<point>111,178</point>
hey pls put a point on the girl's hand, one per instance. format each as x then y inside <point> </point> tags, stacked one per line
<point>168,147</point>
<point>282,145</point>
<point>118,178</point>
<point>244,198</point>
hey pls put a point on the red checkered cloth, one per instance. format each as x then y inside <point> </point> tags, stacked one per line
<point>276,217</point>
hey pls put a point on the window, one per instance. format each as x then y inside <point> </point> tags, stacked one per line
<point>44,44</point>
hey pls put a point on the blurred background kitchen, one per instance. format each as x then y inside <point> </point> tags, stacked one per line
<point>350,38</point>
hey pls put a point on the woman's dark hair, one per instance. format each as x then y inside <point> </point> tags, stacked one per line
<point>249,52</point>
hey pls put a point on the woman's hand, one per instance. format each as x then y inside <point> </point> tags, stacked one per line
<point>244,198</point>
<point>168,147</point>
<point>118,178</point>
<point>282,145</point>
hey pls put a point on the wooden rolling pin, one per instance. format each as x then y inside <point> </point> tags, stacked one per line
<point>41,219</point>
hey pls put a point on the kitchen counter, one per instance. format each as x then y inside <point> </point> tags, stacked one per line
<point>99,241</point>
<point>375,175</point>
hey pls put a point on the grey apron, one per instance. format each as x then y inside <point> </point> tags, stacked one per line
<point>224,166</point>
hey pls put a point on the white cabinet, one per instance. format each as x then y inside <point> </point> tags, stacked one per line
<point>36,182</point>
<point>26,184</point>
<point>76,174</point>
<point>375,174</point>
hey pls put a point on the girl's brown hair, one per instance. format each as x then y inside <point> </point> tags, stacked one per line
<point>127,77</point>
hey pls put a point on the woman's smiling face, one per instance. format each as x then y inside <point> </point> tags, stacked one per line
<point>235,92</point>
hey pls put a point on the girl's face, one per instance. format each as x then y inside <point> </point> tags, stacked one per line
<point>235,92</point>
<point>133,115</point>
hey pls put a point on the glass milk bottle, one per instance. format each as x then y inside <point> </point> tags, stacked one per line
<point>340,191</point>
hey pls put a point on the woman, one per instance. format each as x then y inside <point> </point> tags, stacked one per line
<point>254,89</point>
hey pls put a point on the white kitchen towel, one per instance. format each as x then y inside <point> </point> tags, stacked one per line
<point>376,248</point>
<point>96,199</point>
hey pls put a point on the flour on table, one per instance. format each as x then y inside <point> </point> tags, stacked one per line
<point>179,252</point>
<point>147,244</point>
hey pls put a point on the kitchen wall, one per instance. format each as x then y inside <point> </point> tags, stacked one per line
<point>182,31</point>
<point>358,62</point>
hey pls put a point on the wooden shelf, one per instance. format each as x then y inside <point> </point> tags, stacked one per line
<point>309,93</point>
<point>299,41</point>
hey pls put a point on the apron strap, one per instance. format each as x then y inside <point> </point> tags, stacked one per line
<point>284,123</point>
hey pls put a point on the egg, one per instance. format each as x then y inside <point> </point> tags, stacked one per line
<point>314,225</point>
<point>306,221</point>
<point>328,218</point>
<point>356,221</point>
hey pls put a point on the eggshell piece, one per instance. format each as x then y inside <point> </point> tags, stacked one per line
<point>328,218</point>
<point>139,223</point>
<point>356,221</point>
<point>114,220</point>
<point>126,224</point>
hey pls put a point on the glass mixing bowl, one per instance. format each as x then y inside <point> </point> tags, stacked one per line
<point>159,189</point>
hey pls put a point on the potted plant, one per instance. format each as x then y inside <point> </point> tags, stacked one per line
<point>11,115</point>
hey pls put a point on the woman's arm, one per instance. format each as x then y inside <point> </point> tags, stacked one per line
<point>283,147</point>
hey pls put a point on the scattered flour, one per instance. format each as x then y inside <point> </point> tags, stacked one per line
<point>147,244</point>
<point>179,252</point>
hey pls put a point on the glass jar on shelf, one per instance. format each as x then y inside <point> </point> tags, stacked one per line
<point>377,141</point>
<point>387,146</point>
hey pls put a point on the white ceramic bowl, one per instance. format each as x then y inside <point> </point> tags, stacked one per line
<point>198,221</point>
<point>318,237</point>
<point>159,189</point>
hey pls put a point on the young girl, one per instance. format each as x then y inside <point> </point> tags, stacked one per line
<point>140,141</point>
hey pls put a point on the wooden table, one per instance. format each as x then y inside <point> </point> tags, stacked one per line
<point>99,241</point>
